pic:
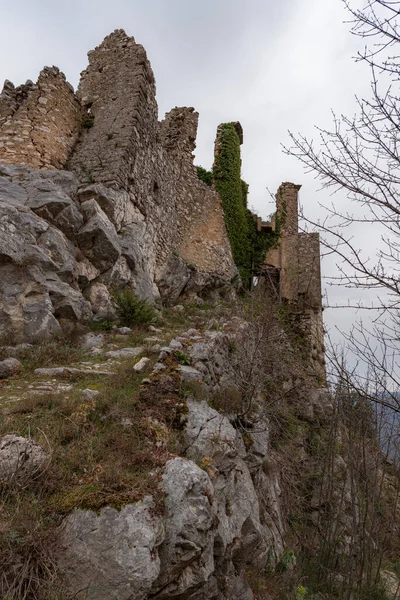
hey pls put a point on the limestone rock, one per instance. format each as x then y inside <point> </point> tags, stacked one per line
<point>92,340</point>
<point>189,373</point>
<point>124,330</point>
<point>9,367</point>
<point>173,278</point>
<point>20,459</point>
<point>89,394</point>
<point>68,371</point>
<point>15,351</point>
<point>102,304</point>
<point>124,353</point>
<point>98,238</point>
<point>142,365</point>
<point>187,552</point>
<point>112,554</point>
<point>67,302</point>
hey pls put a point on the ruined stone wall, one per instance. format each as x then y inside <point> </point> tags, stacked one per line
<point>297,260</point>
<point>123,146</point>
<point>39,124</point>
<point>201,237</point>
<point>287,211</point>
<point>309,259</point>
<point>117,93</point>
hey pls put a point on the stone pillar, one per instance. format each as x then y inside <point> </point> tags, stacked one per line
<point>287,211</point>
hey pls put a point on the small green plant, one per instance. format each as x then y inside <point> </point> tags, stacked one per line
<point>132,310</point>
<point>88,123</point>
<point>301,593</point>
<point>288,560</point>
<point>182,358</point>
<point>101,325</point>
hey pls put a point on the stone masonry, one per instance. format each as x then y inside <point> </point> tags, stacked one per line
<point>296,262</point>
<point>130,210</point>
<point>39,124</point>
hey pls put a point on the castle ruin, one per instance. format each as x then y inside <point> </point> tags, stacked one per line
<point>292,271</point>
<point>133,210</point>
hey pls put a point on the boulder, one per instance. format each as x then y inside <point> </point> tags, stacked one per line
<point>116,204</point>
<point>142,365</point>
<point>187,552</point>
<point>124,353</point>
<point>25,306</point>
<point>62,252</point>
<point>102,303</point>
<point>91,340</point>
<point>9,367</point>
<point>112,554</point>
<point>67,302</point>
<point>15,351</point>
<point>20,459</point>
<point>173,278</point>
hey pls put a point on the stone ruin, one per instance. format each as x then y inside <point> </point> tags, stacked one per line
<point>95,192</point>
<point>292,274</point>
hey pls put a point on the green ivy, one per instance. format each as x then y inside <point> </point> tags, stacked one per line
<point>205,176</point>
<point>249,246</point>
<point>228,183</point>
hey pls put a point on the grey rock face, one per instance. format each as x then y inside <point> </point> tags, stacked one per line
<point>173,278</point>
<point>102,304</point>
<point>20,459</point>
<point>9,367</point>
<point>113,554</point>
<point>92,340</point>
<point>142,365</point>
<point>187,552</point>
<point>124,353</point>
<point>98,238</point>
<point>15,351</point>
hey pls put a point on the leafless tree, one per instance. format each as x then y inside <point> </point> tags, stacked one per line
<point>361,156</point>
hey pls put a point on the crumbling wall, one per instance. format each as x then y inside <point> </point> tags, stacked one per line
<point>39,124</point>
<point>123,146</point>
<point>287,211</point>
<point>309,260</point>
<point>117,93</point>
<point>201,236</point>
<point>297,260</point>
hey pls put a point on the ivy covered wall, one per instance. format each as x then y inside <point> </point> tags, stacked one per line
<point>227,180</point>
<point>249,246</point>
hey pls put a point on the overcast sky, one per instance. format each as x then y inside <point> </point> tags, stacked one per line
<point>272,65</point>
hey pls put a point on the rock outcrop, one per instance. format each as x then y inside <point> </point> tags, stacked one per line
<point>222,506</point>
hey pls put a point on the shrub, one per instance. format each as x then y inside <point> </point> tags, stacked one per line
<point>132,310</point>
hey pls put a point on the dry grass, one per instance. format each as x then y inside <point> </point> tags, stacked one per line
<point>106,451</point>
